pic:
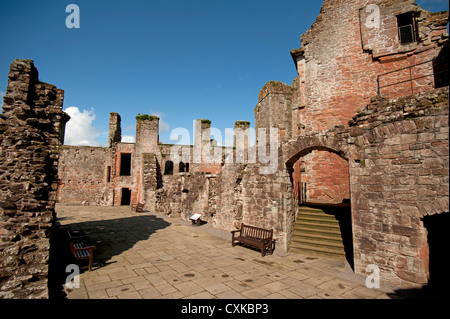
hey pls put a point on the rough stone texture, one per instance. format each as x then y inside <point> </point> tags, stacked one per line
<point>388,154</point>
<point>115,131</point>
<point>402,176</point>
<point>398,153</point>
<point>338,63</point>
<point>274,108</point>
<point>31,131</point>
<point>83,176</point>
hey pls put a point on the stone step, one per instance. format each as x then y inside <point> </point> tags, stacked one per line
<point>318,242</point>
<point>310,219</point>
<point>315,215</point>
<point>326,237</point>
<point>318,232</point>
<point>313,225</point>
<point>325,232</point>
<point>321,251</point>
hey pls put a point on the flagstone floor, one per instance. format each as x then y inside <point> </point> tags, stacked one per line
<point>148,255</point>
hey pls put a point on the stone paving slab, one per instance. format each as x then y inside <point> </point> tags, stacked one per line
<point>151,256</point>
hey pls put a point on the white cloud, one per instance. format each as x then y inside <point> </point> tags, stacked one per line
<point>79,129</point>
<point>163,125</point>
<point>128,139</point>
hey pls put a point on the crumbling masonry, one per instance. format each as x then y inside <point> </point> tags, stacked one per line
<point>31,130</point>
<point>363,126</point>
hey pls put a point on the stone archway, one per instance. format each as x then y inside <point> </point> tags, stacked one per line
<point>293,150</point>
<point>319,228</point>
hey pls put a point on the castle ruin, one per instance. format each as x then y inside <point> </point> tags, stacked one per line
<point>362,129</point>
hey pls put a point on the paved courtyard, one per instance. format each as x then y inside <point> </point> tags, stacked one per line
<point>148,255</point>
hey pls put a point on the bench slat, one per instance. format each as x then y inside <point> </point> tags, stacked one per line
<point>80,250</point>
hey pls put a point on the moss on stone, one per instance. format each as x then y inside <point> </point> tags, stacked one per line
<point>146,117</point>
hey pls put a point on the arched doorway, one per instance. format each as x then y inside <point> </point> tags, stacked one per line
<point>320,180</point>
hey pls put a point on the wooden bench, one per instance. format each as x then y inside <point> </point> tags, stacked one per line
<point>254,236</point>
<point>139,207</point>
<point>81,248</point>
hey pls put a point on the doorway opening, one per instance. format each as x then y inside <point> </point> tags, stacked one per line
<point>126,196</point>
<point>322,222</point>
<point>438,242</point>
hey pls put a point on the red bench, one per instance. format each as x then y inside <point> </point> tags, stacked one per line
<point>81,248</point>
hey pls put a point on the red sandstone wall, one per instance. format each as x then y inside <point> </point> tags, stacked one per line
<point>328,179</point>
<point>338,66</point>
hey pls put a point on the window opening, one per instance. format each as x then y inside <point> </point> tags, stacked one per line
<point>168,168</point>
<point>406,28</point>
<point>125,164</point>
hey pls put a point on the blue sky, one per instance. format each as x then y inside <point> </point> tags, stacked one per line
<point>181,60</point>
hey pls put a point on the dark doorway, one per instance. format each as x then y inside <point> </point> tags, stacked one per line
<point>440,68</point>
<point>168,168</point>
<point>438,244</point>
<point>126,196</point>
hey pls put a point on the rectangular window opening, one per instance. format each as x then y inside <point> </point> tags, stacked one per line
<point>406,28</point>
<point>125,164</point>
<point>168,168</point>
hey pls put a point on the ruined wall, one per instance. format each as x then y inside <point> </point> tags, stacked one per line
<point>121,180</point>
<point>115,130</point>
<point>340,70</point>
<point>266,205</point>
<point>402,175</point>
<point>349,45</point>
<point>398,153</point>
<point>150,179</point>
<point>274,108</point>
<point>83,176</point>
<point>230,197</point>
<point>31,131</point>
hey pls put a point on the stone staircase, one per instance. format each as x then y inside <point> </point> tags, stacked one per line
<point>319,230</point>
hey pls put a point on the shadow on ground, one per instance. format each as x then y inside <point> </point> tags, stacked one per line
<point>426,292</point>
<point>111,237</point>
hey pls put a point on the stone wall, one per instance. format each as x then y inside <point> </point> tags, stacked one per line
<point>402,175</point>
<point>266,205</point>
<point>83,176</point>
<point>31,131</point>
<point>340,69</point>
<point>274,108</point>
<point>398,154</point>
<point>342,61</point>
<point>389,156</point>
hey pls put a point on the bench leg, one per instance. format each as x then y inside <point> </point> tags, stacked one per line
<point>91,258</point>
